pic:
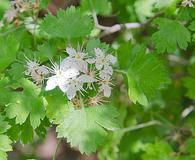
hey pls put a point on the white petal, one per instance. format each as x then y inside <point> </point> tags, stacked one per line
<point>98,64</point>
<point>71,93</point>
<point>71,73</point>
<point>86,79</point>
<point>107,90</point>
<point>43,70</point>
<point>64,87</point>
<point>112,59</point>
<point>71,51</point>
<point>98,52</point>
<point>67,63</point>
<point>51,83</point>
<point>104,74</point>
<point>108,69</point>
<point>91,60</point>
<point>82,66</point>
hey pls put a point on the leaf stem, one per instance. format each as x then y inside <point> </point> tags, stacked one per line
<point>142,125</point>
<point>120,71</point>
<point>57,147</point>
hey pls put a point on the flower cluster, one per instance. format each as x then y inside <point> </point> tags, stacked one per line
<point>36,71</point>
<point>16,8</point>
<point>78,73</point>
<point>188,3</point>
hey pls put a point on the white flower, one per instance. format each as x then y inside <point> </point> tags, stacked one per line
<point>31,66</point>
<point>72,86</point>
<point>10,15</point>
<point>101,59</point>
<point>61,77</point>
<point>106,72</point>
<point>76,59</point>
<point>90,78</point>
<point>189,3</point>
<point>105,86</point>
<point>42,70</point>
<point>36,71</point>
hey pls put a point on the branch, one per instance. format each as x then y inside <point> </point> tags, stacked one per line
<point>115,28</point>
<point>187,111</point>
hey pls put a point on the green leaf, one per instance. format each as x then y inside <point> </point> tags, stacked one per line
<point>44,3</point>
<point>26,103</point>
<point>86,128</point>
<point>67,24</point>
<point>190,145</point>
<point>160,150</point>
<point>26,132</point>
<point>95,43</point>
<point>102,7</point>
<point>192,27</point>
<point>146,75</point>
<point>5,146</point>
<point>4,91</point>
<point>56,103</point>
<point>17,71</point>
<point>23,132</point>
<point>189,82</point>
<point>8,48</point>
<point>171,35</point>
<point>4,125</point>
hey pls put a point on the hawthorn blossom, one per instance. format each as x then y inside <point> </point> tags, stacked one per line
<point>31,66</point>
<point>90,78</point>
<point>76,59</point>
<point>61,77</point>
<point>10,15</point>
<point>103,62</point>
<point>36,72</point>
<point>72,86</point>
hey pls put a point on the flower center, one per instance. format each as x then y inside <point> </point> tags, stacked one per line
<point>78,56</point>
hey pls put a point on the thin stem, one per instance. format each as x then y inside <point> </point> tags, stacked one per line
<point>55,154</point>
<point>142,125</point>
<point>120,71</point>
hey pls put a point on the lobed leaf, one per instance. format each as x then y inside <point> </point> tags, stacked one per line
<point>67,24</point>
<point>171,35</point>
<point>87,128</point>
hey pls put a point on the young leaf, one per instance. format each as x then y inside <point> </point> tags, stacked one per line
<point>5,146</point>
<point>171,35</point>
<point>146,75</point>
<point>26,103</point>
<point>8,48</point>
<point>86,128</point>
<point>67,24</point>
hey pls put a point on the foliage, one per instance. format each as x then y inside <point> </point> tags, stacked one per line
<point>130,99</point>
